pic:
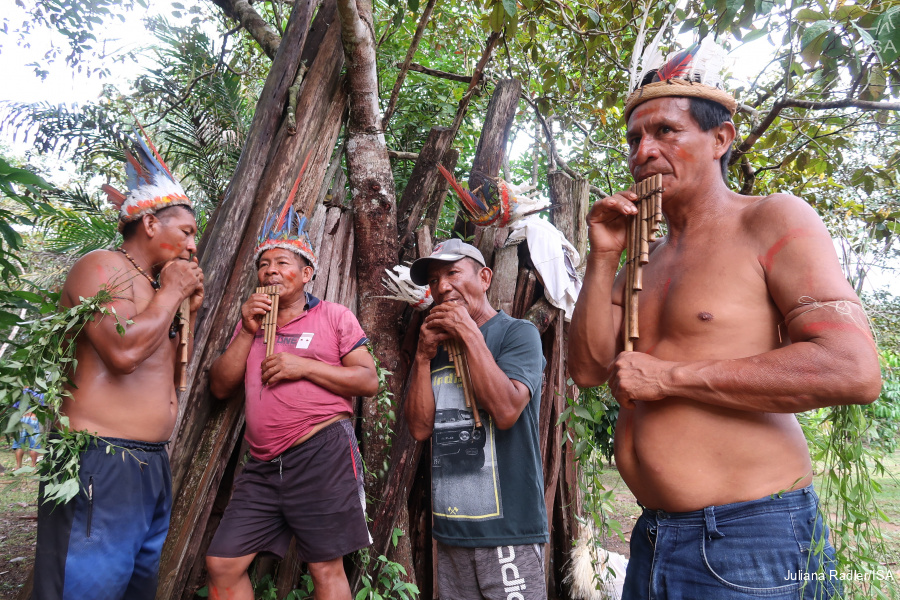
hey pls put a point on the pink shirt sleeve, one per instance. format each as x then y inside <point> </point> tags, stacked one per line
<point>350,333</point>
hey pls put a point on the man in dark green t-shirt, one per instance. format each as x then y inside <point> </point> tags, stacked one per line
<point>490,520</point>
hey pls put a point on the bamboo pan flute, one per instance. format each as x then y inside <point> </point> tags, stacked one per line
<point>461,365</point>
<point>270,320</point>
<point>643,228</point>
<point>184,315</point>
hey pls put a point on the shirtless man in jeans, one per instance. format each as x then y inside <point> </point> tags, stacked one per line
<point>745,319</point>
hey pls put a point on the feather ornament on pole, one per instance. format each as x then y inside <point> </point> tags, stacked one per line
<point>494,201</point>
<point>401,287</point>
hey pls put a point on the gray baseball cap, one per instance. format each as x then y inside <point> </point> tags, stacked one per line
<point>450,251</point>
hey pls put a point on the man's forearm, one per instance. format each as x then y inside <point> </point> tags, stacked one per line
<point>345,381</point>
<point>797,378</point>
<point>495,391</point>
<point>227,373</point>
<point>419,405</point>
<point>593,335</point>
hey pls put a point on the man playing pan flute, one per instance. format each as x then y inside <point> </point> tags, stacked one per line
<point>745,319</point>
<point>490,519</point>
<point>304,477</point>
<point>106,542</point>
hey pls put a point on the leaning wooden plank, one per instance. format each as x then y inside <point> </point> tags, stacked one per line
<point>341,262</point>
<point>326,252</point>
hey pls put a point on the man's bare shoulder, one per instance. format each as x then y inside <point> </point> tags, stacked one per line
<point>770,218</point>
<point>96,270</point>
<point>778,208</point>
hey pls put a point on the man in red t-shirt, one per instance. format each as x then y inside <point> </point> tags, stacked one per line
<point>304,477</point>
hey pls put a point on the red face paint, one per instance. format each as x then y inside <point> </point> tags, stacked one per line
<point>768,260</point>
<point>166,246</point>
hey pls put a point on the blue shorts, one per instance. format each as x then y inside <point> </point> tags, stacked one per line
<point>759,548</point>
<point>105,543</point>
<point>28,435</point>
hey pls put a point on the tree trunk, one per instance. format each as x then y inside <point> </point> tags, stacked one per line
<point>375,221</point>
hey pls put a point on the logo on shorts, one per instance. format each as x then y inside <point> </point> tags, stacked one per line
<point>512,583</point>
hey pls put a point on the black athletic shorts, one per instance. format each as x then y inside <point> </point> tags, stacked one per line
<point>313,491</point>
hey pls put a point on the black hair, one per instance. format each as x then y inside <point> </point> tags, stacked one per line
<point>709,114</point>
<point>130,228</point>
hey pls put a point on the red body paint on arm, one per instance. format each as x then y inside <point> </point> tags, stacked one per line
<point>769,259</point>
<point>813,329</point>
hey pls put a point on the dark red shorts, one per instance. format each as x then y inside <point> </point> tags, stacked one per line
<point>313,491</point>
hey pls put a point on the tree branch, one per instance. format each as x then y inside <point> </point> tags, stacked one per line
<point>264,34</point>
<point>846,103</point>
<point>442,74</point>
<point>400,155</point>
<point>410,52</point>
<point>474,81</point>
<point>554,154</point>
<point>809,105</point>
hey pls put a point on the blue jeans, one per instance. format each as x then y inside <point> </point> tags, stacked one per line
<point>755,549</point>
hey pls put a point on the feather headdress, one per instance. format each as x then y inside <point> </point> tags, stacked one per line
<point>494,201</point>
<point>287,229</point>
<point>695,72</point>
<point>151,185</point>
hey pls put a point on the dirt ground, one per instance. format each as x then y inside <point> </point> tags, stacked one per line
<point>18,524</point>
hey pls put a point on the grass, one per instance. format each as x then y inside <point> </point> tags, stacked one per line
<point>18,523</point>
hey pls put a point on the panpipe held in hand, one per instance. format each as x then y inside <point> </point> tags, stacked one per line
<point>184,316</point>
<point>270,319</point>
<point>461,365</point>
<point>643,228</point>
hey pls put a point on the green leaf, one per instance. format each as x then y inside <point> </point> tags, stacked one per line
<point>813,40</point>
<point>583,413</point>
<point>808,15</point>
<point>756,34</point>
<point>510,7</point>
<point>496,20</point>
<point>886,32</point>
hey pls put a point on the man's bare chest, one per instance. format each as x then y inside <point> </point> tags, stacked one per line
<point>707,296</point>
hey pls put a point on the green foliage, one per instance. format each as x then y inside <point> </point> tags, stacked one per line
<point>386,410</point>
<point>77,21</point>
<point>837,442</point>
<point>14,204</point>
<point>884,413</point>
<point>383,579</point>
<point>43,366</point>
<point>589,422</point>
